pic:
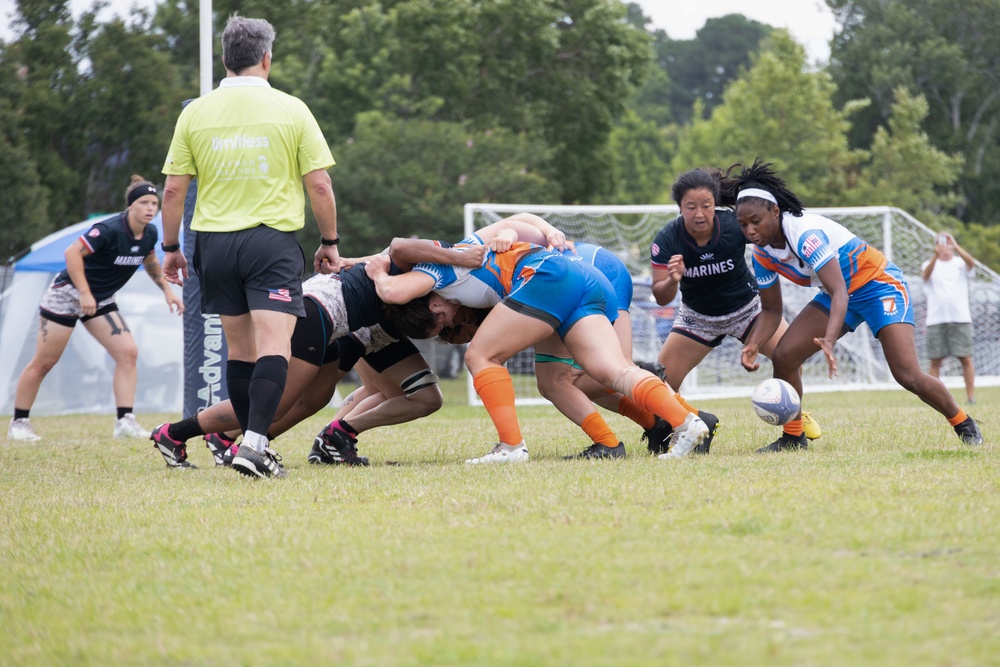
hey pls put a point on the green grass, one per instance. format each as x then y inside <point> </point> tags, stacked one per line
<point>879,546</point>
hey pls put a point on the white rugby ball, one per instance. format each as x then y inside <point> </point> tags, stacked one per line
<point>775,401</point>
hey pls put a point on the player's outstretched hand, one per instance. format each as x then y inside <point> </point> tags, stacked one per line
<point>749,357</point>
<point>827,346</point>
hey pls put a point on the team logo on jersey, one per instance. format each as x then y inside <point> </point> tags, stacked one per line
<point>708,256</point>
<point>811,244</point>
<point>889,305</point>
<point>134,248</point>
<point>95,232</point>
<point>656,249</point>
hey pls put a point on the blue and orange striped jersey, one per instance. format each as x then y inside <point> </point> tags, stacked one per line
<point>813,241</point>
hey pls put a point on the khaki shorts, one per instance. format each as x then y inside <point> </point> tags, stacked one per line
<point>951,339</point>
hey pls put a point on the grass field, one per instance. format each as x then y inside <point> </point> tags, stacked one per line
<point>879,546</point>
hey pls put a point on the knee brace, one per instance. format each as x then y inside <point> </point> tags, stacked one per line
<point>419,380</point>
<point>626,379</point>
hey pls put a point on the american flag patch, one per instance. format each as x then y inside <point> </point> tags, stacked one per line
<point>279,295</point>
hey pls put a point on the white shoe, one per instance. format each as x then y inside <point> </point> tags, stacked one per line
<point>128,427</point>
<point>503,454</point>
<point>20,429</point>
<point>686,437</point>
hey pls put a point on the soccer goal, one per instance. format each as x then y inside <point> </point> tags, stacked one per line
<point>628,231</point>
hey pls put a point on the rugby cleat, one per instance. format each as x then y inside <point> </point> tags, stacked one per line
<point>686,437</point>
<point>502,453</point>
<point>786,443</point>
<point>174,451</point>
<point>810,426</point>
<point>599,451</point>
<point>968,431</point>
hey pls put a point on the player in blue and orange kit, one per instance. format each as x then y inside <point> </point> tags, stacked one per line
<point>857,284</point>
<point>533,293</point>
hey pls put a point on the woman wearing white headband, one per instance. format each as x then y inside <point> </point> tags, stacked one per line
<point>857,284</point>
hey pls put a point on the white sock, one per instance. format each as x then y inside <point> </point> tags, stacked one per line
<point>255,440</point>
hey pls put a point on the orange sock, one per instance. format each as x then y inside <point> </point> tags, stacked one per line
<point>959,418</point>
<point>598,430</point>
<point>628,409</point>
<point>687,406</point>
<point>794,427</point>
<point>494,386</point>
<point>656,397</point>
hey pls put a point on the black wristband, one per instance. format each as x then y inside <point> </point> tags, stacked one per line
<point>173,247</point>
<point>330,241</point>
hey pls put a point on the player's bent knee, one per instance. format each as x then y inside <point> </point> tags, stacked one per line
<point>421,389</point>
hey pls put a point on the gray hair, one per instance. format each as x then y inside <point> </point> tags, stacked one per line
<point>245,41</point>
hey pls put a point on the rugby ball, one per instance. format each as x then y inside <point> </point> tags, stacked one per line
<point>775,401</point>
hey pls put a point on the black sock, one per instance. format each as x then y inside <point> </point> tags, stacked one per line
<point>185,429</point>
<point>347,427</point>
<point>238,377</point>
<point>123,411</point>
<point>21,414</point>
<point>266,388</point>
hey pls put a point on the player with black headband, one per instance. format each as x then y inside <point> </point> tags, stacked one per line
<point>98,264</point>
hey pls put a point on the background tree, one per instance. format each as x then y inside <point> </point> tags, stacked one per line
<point>948,53</point>
<point>907,171</point>
<point>398,177</point>
<point>782,113</point>
<point>24,214</point>
<point>701,68</point>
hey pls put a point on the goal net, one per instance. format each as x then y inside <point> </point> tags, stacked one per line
<point>628,231</point>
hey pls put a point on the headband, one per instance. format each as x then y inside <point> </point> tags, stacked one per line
<point>756,192</point>
<point>139,191</point>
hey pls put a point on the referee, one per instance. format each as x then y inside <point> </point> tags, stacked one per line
<point>251,148</point>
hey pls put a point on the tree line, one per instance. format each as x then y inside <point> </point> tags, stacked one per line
<point>429,104</point>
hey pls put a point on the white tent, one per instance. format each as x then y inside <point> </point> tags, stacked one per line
<point>81,381</point>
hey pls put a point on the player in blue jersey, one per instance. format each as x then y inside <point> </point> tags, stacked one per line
<point>534,292</point>
<point>98,264</point>
<point>703,254</point>
<point>857,284</point>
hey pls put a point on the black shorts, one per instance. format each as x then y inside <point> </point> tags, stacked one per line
<point>310,339</point>
<point>391,355</point>
<point>252,269</point>
<point>71,320</point>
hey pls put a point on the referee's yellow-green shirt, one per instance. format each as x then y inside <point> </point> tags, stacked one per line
<point>249,146</point>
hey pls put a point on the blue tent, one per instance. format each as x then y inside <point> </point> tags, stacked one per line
<point>82,380</point>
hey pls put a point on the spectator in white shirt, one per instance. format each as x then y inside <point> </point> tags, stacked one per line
<point>949,320</point>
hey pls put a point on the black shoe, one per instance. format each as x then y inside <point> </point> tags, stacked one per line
<point>335,446</point>
<point>599,451</point>
<point>174,451</point>
<point>786,443</point>
<point>658,437</point>
<point>968,431</point>
<point>317,455</point>
<point>712,422</point>
<point>248,461</point>
<point>219,444</point>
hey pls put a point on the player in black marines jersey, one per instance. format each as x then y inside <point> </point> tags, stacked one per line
<point>98,264</point>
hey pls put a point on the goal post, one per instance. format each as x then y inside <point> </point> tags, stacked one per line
<point>628,231</point>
